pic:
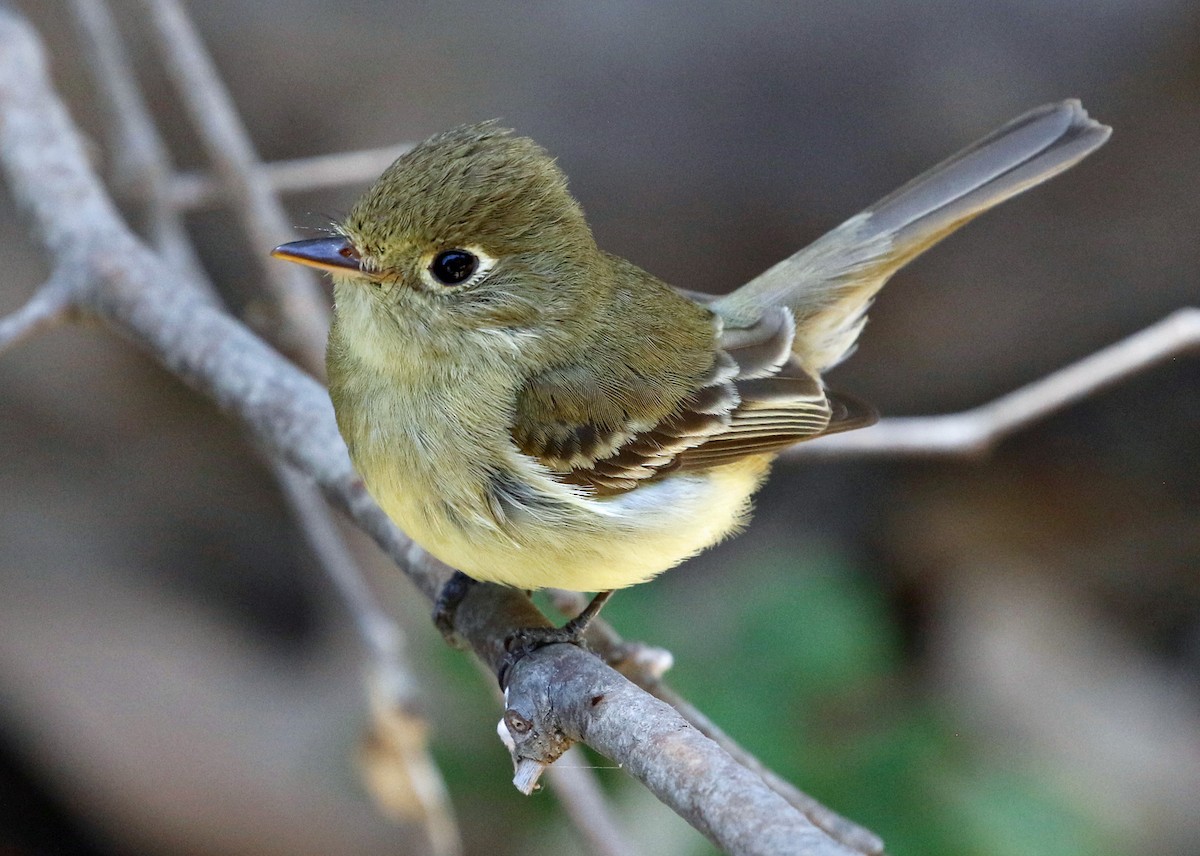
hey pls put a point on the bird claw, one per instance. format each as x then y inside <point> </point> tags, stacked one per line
<point>521,643</point>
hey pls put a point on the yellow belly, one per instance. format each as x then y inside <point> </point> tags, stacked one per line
<point>575,542</point>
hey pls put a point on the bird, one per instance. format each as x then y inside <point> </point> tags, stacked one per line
<point>536,412</point>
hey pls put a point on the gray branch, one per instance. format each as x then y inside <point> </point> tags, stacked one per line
<point>197,190</point>
<point>49,305</point>
<point>565,698</point>
<point>130,288</point>
<point>232,153</point>
<point>975,431</point>
<point>141,163</point>
<point>645,666</point>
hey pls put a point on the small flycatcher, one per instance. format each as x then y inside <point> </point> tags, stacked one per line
<point>536,412</point>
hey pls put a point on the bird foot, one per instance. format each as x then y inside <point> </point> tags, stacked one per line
<point>521,643</point>
<point>453,592</point>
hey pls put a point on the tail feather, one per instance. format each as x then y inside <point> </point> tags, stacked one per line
<point>830,284</point>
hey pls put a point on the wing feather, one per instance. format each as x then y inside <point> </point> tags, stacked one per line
<point>755,399</point>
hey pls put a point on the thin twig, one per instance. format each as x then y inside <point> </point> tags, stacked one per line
<point>237,164</point>
<point>197,190</point>
<point>974,431</point>
<point>142,165</point>
<point>135,147</point>
<point>377,629</point>
<point>49,305</point>
<point>573,783</point>
<point>400,773</point>
<point>563,700</point>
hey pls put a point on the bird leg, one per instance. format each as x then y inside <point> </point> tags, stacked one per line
<point>453,592</point>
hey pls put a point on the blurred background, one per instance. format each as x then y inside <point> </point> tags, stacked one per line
<point>986,656</point>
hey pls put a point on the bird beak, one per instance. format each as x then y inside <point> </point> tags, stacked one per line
<point>335,254</point>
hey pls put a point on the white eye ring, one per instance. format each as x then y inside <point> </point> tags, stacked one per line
<point>456,268</point>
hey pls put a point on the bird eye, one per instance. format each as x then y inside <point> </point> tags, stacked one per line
<point>453,267</point>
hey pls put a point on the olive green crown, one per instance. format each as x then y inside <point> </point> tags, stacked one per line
<point>473,185</point>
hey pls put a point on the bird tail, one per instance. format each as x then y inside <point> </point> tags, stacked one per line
<point>830,284</point>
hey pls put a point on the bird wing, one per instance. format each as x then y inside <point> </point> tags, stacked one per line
<point>755,399</point>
